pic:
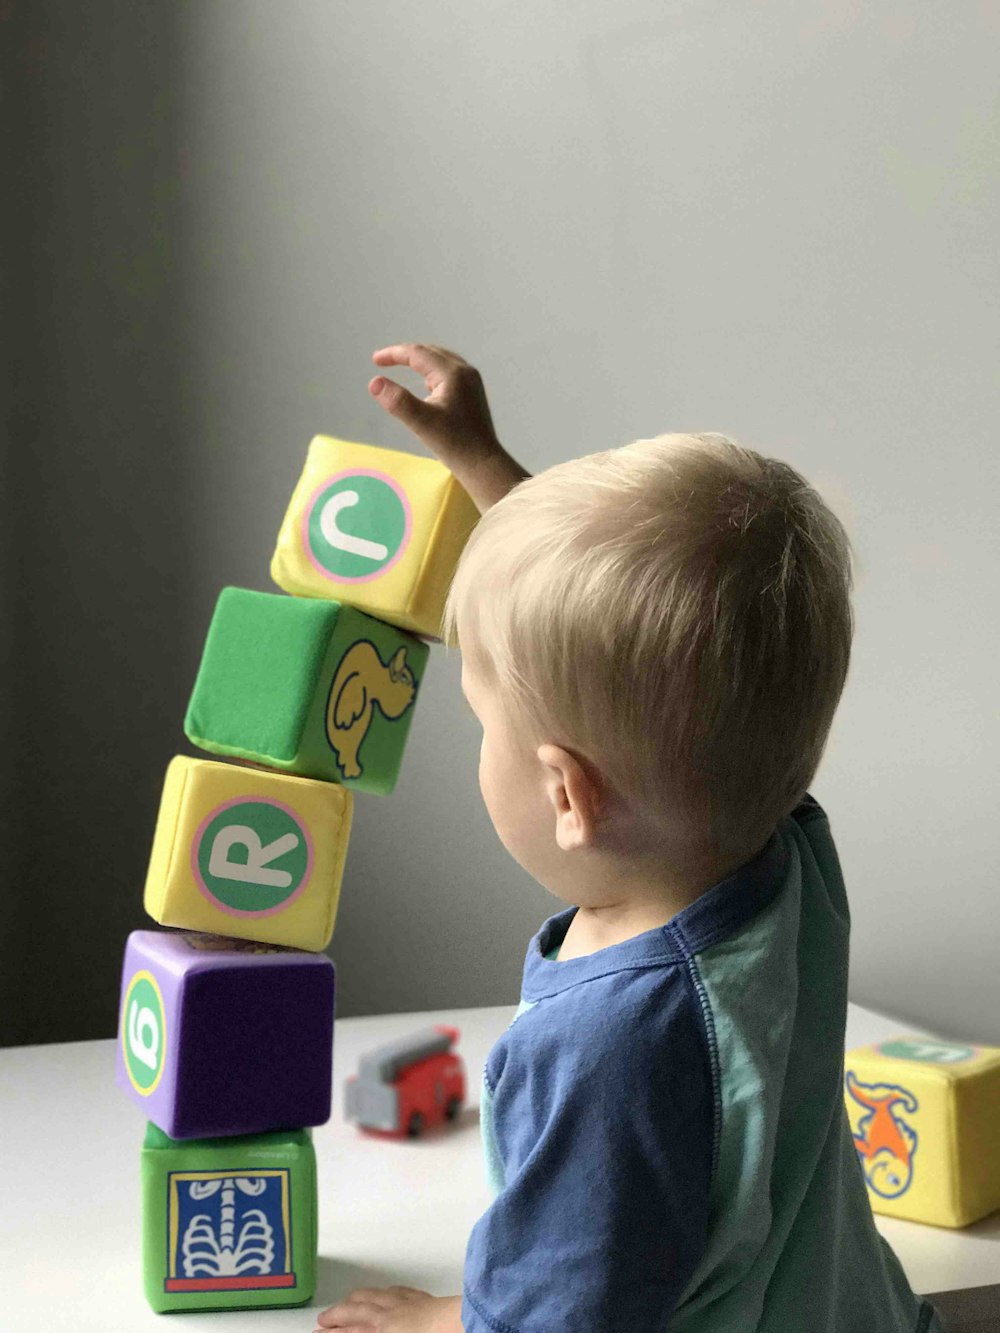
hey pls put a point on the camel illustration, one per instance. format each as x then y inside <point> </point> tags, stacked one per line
<point>362,681</point>
<point>886,1143</point>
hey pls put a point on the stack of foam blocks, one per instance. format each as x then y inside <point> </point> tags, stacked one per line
<point>226,1017</point>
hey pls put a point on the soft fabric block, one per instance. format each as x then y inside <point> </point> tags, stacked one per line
<point>925,1118</point>
<point>229,1223</point>
<point>245,852</point>
<point>377,528</point>
<point>219,1036</point>
<point>315,688</point>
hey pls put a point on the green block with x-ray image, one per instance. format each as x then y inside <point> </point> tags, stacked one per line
<point>311,686</point>
<point>229,1223</point>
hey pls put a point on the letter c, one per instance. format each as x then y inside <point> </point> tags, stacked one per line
<point>346,541</point>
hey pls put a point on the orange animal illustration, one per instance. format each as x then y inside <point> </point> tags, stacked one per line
<point>361,682</point>
<point>886,1143</point>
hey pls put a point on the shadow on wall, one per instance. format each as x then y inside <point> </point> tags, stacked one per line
<point>98,575</point>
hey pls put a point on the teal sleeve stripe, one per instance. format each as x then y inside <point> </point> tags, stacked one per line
<point>713,1054</point>
<point>792,1228</point>
<point>491,1153</point>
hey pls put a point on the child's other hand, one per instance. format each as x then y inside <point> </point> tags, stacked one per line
<point>393,1310</point>
<point>453,421</point>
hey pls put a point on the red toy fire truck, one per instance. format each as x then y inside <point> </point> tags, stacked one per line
<point>408,1084</point>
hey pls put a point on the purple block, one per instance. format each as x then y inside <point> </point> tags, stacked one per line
<point>220,1036</point>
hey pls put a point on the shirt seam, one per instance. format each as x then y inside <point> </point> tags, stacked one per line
<point>708,1031</point>
<point>927,1313</point>
<point>663,960</point>
<point>497,1325</point>
<point>721,932</point>
<point>811,814</point>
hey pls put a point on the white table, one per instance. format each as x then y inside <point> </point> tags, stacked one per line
<point>390,1211</point>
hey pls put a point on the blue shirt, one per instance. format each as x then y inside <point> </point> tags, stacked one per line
<point>664,1125</point>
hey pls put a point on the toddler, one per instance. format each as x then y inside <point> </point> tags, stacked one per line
<point>655,639</point>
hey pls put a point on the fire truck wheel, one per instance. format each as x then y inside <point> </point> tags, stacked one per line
<point>416,1125</point>
<point>453,1107</point>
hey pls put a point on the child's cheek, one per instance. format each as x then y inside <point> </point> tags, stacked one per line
<point>485,785</point>
<point>492,791</point>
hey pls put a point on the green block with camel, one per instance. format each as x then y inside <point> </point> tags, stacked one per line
<point>309,686</point>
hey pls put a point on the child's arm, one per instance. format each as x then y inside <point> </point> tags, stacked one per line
<point>601,1109</point>
<point>453,421</point>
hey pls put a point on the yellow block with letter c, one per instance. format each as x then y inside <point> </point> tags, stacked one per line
<point>376,528</point>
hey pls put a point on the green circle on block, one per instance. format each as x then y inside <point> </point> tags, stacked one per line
<point>253,856</point>
<point>928,1052</point>
<point>355,538</point>
<point>144,1033</point>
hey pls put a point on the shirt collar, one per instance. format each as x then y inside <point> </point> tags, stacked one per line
<point>718,912</point>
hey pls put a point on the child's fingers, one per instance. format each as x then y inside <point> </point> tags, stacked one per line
<point>343,1327</point>
<point>362,1309</point>
<point>379,1298</point>
<point>445,352</point>
<point>346,1328</point>
<point>399,402</point>
<point>352,1317</point>
<point>431,362</point>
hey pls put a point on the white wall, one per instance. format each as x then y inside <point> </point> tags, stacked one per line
<point>773,220</point>
<point>778,221</point>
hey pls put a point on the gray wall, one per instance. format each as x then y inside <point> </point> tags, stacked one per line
<point>777,221</point>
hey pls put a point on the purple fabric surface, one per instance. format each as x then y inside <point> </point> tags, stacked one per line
<point>248,1037</point>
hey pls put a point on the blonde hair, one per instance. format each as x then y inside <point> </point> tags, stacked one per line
<point>677,609</point>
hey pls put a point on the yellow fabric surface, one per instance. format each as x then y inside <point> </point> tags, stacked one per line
<point>410,593</point>
<point>925,1116</point>
<point>318,813</point>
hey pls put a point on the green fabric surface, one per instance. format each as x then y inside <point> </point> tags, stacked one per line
<point>285,1162</point>
<point>258,673</point>
<point>314,687</point>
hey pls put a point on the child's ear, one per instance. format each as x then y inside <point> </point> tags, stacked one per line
<point>575,792</point>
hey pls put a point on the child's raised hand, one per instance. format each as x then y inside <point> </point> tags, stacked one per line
<point>393,1310</point>
<point>453,421</point>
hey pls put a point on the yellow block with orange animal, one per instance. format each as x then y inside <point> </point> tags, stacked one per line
<point>925,1118</point>
<point>377,528</point>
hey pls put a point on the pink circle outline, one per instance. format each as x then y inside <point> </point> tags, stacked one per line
<point>200,833</point>
<point>307,515</point>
